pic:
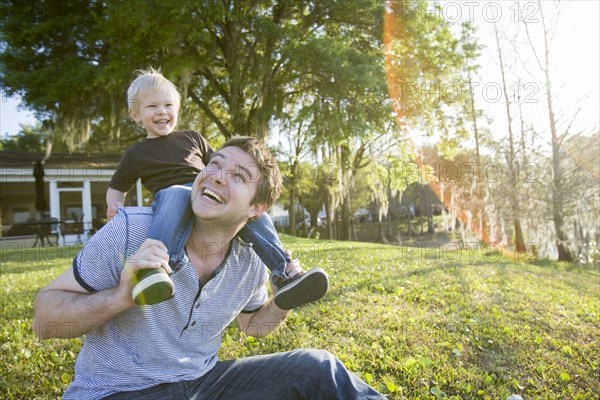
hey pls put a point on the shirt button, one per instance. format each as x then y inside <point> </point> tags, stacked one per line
<point>193,323</point>
<point>197,305</point>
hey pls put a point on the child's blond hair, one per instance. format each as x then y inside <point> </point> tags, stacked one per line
<point>149,79</point>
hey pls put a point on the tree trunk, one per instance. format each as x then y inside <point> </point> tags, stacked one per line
<point>479,183</point>
<point>514,192</point>
<point>421,206</point>
<point>314,218</point>
<point>381,235</point>
<point>346,166</point>
<point>330,215</point>
<point>292,212</point>
<point>557,194</point>
<point>345,226</point>
<point>430,227</point>
<point>564,253</point>
<point>389,217</point>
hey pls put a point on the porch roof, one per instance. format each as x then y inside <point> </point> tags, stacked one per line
<point>18,159</point>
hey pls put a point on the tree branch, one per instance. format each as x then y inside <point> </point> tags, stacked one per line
<point>532,46</point>
<point>210,115</point>
<point>207,73</point>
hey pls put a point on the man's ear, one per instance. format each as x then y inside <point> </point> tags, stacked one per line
<point>256,210</point>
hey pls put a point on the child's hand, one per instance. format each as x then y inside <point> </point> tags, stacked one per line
<point>293,268</point>
<point>113,209</point>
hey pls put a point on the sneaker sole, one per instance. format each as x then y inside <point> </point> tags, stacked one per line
<point>153,289</point>
<point>310,287</point>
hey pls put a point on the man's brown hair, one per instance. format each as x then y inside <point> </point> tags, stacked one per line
<point>270,183</point>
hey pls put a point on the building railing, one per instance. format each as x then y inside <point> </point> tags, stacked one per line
<point>53,231</point>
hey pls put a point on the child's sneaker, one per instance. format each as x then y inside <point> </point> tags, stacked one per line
<point>301,289</point>
<point>152,286</point>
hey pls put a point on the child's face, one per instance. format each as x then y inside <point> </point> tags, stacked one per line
<point>157,113</point>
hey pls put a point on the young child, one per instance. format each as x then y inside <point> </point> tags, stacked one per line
<point>168,161</point>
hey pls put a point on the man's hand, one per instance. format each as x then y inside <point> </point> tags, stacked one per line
<point>152,254</point>
<point>113,209</point>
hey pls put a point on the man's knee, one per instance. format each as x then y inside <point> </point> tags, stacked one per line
<point>321,355</point>
<point>319,361</point>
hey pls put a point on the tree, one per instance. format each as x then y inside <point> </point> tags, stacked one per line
<point>387,177</point>
<point>511,159</point>
<point>378,178</point>
<point>423,65</point>
<point>470,49</point>
<point>297,181</point>
<point>331,186</point>
<point>544,63</point>
<point>237,61</point>
<point>27,140</point>
<point>50,59</point>
<point>581,168</point>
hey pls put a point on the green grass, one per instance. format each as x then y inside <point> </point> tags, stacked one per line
<point>412,324</point>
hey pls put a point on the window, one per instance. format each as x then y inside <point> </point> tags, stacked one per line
<point>20,214</point>
<point>73,213</point>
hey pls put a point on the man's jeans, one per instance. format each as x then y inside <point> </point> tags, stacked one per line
<point>298,374</point>
<point>172,223</point>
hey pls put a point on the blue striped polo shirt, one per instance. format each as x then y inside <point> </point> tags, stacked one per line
<point>172,341</point>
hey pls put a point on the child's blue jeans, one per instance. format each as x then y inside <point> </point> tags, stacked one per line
<point>172,225</point>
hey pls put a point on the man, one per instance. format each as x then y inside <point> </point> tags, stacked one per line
<point>169,350</point>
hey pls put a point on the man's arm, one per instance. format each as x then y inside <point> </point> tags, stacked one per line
<point>64,309</point>
<point>264,321</point>
<point>114,199</point>
<point>268,317</point>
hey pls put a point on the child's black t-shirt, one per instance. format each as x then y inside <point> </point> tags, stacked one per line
<point>162,162</point>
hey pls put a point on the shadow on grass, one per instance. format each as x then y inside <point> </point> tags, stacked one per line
<point>36,259</point>
<point>20,269</point>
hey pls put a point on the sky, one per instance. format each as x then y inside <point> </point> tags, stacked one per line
<point>575,61</point>
<point>11,117</point>
<point>575,66</point>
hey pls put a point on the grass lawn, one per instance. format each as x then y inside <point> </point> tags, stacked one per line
<point>414,325</point>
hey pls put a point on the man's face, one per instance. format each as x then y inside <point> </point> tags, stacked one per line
<point>157,113</point>
<point>225,187</point>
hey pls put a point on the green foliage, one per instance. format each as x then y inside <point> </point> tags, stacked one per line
<point>425,67</point>
<point>237,63</point>
<point>389,174</point>
<point>414,323</point>
<point>299,176</point>
<point>361,195</point>
<point>28,139</point>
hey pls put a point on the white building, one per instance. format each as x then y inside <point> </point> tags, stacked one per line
<point>279,216</point>
<point>75,188</point>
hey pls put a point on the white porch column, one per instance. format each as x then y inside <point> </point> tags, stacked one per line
<point>86,199</point>
<point>138,190</point>
<point>54,200</point>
